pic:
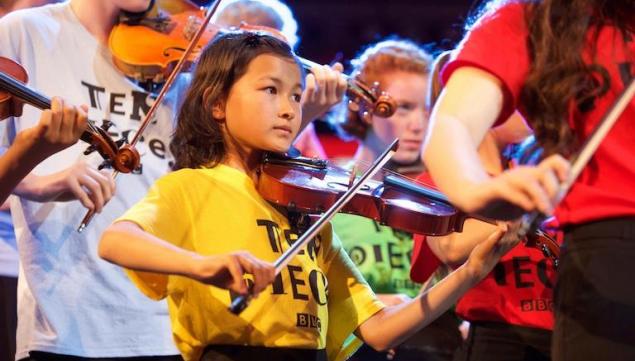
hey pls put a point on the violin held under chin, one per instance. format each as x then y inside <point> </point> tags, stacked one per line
<point>147,49</point>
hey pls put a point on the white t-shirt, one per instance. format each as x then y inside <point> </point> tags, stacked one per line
<point>69,300</point>
<point>8,248</point>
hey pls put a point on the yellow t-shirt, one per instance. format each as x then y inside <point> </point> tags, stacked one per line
<point>316,302</point>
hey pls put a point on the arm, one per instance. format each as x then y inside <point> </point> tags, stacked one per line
<point>456,130</point>
<point>394,324</point>
<point>126,244</point>
<point>391,299</point>
<point>466,109</point>
<point>80,181</point>
<point>59,127</point>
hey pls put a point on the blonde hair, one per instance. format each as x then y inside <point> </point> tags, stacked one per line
<point>272,13</point>
<point>369,67</point>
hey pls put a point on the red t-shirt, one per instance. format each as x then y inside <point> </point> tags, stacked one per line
<point>606,187</point>
<point>519,291</point>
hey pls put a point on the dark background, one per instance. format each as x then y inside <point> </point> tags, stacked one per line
<point>332,29</point>
<point>339,29</point>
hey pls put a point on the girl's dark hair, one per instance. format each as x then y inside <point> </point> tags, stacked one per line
<point>559,77</point>
<point>198,139</point>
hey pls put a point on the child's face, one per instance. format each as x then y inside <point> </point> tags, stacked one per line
<point>409,121</point>
<point>263,111</point>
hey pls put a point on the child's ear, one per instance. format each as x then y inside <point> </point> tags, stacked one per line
<point>218,111</point>
<point>218,105</point>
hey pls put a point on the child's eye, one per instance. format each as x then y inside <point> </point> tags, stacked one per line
<point>297,97</point>
<point>271,90</point>
<point>406,106</point>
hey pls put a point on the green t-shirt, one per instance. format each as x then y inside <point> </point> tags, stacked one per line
<point>381,253</point>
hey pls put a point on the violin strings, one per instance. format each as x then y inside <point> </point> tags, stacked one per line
<point>391,172</point>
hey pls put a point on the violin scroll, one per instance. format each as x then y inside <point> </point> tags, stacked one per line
<point>127,159</point>
<point>385,106</point>
<point>369,101</point>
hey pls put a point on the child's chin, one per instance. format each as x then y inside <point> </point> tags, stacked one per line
<point>279,148</point>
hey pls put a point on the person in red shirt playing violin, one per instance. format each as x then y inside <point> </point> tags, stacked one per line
<point>561,63</point>
<point>510,311</point>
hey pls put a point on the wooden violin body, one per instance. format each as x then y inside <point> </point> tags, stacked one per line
<point>147,50</point>
<point>310,186</point>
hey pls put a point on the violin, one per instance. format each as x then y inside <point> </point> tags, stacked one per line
<point>147,50</point>
<point>310,186</point>
<point>190,49</point>
<point>13,95</point>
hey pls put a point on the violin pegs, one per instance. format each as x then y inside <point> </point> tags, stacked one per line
<point>91,148</point>
<point>123,140</point>
<point>105,164</point>
<point>375,88</point>
<point>106,124</point>
<point>367,117</point>
<point>353,106</point>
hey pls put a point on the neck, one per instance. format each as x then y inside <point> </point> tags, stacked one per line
<point>245,160</point>
<point>97,16</point>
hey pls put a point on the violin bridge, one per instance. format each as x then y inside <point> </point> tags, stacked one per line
<point>351,178</point>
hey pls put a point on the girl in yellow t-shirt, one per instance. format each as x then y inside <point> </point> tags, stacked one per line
<point>244,100</point>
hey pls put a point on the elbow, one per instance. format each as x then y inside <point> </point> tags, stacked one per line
<point>106,245</point>
<point>454,258</point>
<point>380,341</point>
<point>380,345</point>
<point>447,251</point>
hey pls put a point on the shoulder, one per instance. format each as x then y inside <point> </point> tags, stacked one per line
<point>194,180</point>
<point>498,19</point>
<point>178,177</point>
<point>502,11</point>
<point>24,29</point>
<point>36,16</point>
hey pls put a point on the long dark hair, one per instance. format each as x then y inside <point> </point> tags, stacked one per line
<point>559,77</point>
<point>198,139</point>
<point>558,32</point>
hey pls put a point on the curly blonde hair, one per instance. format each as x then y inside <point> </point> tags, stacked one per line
<point>369,67</point>
<point>272,13</point>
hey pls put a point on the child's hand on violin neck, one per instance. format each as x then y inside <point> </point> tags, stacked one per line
<point>520,190</point>
<point>59,127</point>
<point>325,87</point>
<point>226,271</point>
<point>486,255</point>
